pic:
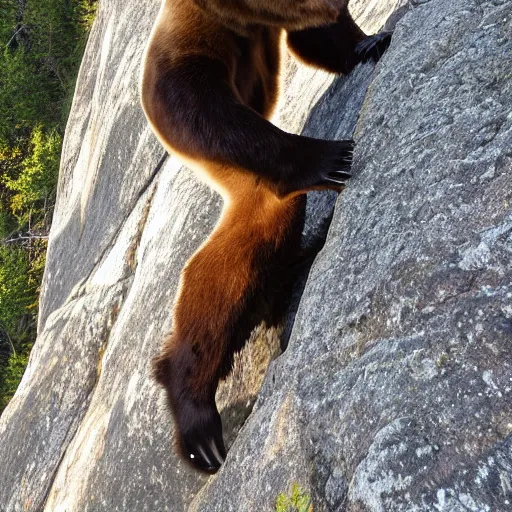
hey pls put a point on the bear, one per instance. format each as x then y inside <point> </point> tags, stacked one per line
<point>210,82</point>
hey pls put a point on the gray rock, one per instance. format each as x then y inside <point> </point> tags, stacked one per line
<point>394,393</point>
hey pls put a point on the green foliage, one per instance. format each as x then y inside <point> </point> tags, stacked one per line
<point>296,501</point>
<point>12,374</point>
<point>7,223</point>
<point>39,61</point>
<point>41,45</point>
<point>8,11</point>
<point>38,173</point>
<point>16,290</point>
<point>23,97</point>
<point>18,284</point>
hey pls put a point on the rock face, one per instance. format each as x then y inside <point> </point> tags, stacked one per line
<point>394,393</point>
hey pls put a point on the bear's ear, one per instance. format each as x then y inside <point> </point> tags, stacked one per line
<point>161,369</point>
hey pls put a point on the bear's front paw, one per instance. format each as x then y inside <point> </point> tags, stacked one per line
<point>334,162</point>
<point>373,47</point>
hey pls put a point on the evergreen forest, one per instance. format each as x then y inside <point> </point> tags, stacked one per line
<point>41,46</point>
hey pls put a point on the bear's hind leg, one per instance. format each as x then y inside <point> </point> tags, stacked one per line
<point>218,287</point>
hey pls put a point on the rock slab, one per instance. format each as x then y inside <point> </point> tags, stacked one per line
<point>394,393</point>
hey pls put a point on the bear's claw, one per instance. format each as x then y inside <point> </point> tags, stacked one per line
<point>373,47</point>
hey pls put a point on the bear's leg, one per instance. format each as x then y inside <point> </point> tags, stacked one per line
<point>338,47</point>
<point>212,319</point>
<point>195,110</point>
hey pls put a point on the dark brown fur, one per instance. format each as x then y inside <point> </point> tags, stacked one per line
<point>210,81</point>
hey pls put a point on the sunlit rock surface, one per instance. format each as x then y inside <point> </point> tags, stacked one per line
<point>395,391</point>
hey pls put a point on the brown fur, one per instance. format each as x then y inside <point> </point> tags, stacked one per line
<point>210,81</point>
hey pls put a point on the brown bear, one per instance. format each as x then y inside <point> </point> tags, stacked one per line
<point>210,82</point>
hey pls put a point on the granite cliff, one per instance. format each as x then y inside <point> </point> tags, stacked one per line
<point>395,390</point>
